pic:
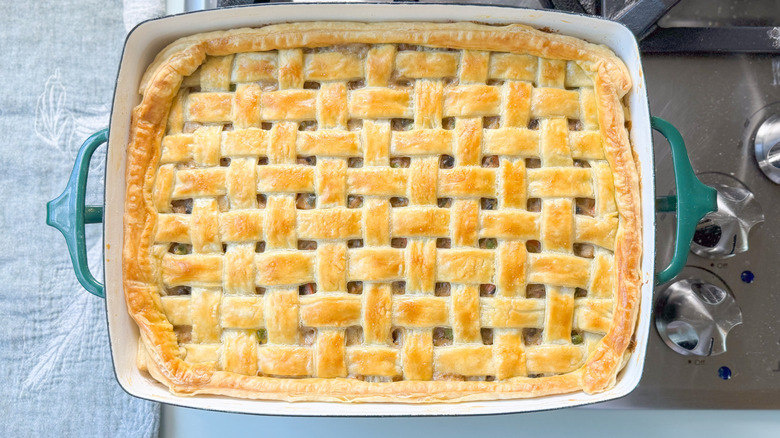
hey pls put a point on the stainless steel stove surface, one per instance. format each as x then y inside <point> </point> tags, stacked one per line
<point>717,103</point>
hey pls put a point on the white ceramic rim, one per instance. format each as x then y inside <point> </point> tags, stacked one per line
<point>150,37</point>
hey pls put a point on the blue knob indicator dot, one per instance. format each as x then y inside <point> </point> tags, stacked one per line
<point>724,373</point>
<point>747,276</point>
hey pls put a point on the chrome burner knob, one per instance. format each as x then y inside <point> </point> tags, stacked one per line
<point>766,145</point>
<point>694,317</point>
<point>723,233</point>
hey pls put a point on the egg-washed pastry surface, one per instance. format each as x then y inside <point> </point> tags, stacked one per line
<point>403,212</point>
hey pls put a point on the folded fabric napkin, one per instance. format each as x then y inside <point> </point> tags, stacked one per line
<point>59,67</point>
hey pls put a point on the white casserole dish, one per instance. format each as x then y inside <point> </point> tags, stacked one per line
<point>148,38</point>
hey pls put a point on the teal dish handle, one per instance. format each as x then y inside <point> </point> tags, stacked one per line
<point>692,202</point>
<point>68,214</point>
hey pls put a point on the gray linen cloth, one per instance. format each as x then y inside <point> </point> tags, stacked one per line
<point>57,72</point>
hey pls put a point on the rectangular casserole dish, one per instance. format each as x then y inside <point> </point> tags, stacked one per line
<point>150,37</point>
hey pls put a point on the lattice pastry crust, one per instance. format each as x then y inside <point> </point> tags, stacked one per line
<point>409,212</point>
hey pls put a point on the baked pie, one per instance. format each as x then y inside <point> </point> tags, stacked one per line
<point>404,212</point>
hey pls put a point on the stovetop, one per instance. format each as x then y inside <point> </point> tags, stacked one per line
<point>715,100</point>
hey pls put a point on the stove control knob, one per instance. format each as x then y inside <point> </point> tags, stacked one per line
<point>694,317</point>
<point>723,233</point>
<point>766,145</point>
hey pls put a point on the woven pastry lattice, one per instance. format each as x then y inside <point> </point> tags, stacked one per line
<point>386,212</point>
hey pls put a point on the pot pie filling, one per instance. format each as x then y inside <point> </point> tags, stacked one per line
<point>409,212</point>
